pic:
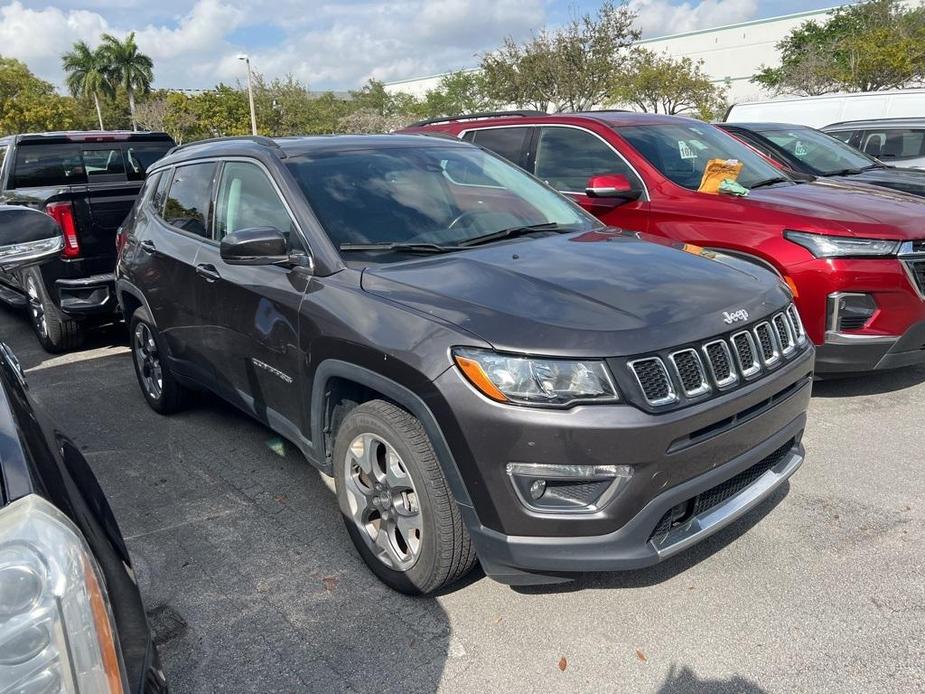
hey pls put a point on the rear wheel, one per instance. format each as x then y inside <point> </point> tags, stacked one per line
<point>54,330</point>
<point>158,384</point>
<point>395,501</point>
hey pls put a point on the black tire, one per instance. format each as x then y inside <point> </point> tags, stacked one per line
<point>55,331</point>
<point>444,552</point>
<point>164,394</point>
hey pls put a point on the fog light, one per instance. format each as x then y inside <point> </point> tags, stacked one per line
<point>850,311</point>
<point>567,488</point>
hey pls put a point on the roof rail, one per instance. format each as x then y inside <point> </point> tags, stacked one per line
<point>605,110</point>
<point>256,139</point>
<point>484,114</point>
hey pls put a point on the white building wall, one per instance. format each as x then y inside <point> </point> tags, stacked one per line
<point>735,53</point>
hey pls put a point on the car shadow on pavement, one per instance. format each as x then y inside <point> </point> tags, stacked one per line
<point>683,680</point>
<point>668,569</point>
<point>876,383</point>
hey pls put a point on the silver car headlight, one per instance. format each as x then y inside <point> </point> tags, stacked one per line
<point>534,380</point>
<point>56,628</point>
<point>823,246</point>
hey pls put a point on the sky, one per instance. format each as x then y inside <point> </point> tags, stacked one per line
<point>329,45</point>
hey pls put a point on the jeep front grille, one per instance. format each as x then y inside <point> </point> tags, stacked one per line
<point>719,364</point>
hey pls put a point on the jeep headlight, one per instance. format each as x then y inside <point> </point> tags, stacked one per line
<point>536,380</point>
<point>56,627</point>
<point>823,246</point>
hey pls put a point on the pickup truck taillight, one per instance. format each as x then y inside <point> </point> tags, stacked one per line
<point>63,214</point>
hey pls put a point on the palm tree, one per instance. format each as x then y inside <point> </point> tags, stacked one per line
<point>87,74</point>
<point>127,67</point>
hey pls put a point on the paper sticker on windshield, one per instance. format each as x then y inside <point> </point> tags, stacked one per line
<point>685,150</point>
<point>800,149</point>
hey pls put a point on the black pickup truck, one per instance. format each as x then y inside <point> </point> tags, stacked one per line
<point>87,181</point>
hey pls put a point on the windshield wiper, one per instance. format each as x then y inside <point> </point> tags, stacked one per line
<point>410,247</point>
<point>513,232</point>
<point>770,181</point>
<point>844,172</point>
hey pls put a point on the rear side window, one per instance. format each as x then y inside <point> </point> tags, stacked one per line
<point>566,158</point>
<point>894,145</point>
<point>160,193</point>
<point>510,143</point>
<point>187,203</point>
<point>48,165</point>
<point>140,156</point>
<point>843,135</point>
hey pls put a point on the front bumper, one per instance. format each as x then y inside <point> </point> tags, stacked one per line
<point>851,353</point>
<point>674,455</point>
<point>92,295</point>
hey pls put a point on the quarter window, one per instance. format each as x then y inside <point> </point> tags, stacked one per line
<point>508,142</point>
<point>566,158</point>
<point>187,204</point>
<point>247,199</point>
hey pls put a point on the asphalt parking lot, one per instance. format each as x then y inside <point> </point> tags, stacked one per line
<point>253,586</point>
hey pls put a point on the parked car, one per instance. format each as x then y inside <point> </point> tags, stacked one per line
<point>71,616</point>
<point>87,181</point>
<point>818,111</point>
<point>485,369</point>
<point>854,256</point>
<point>806,152</point>
<point>898,141</point>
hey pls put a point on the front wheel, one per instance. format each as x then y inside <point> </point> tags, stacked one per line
<point>395,501</point>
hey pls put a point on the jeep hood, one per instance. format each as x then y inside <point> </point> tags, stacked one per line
<point>599,293</point>
<point>848,208</point>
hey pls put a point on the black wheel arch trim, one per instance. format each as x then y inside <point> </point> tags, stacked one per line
<point>335,368</point>
<point>123,286</point>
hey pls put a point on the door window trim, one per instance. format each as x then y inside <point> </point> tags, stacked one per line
<point>531,156</point>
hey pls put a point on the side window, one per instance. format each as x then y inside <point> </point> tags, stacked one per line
<point>160,193</point>
<point>187,203</point>
<point>566,158</point>
<point>510,143</point>
<point>843,135</point>
<point>103,162</point>
<point>872,143</point>
<point>2,157</point>
<point>247,199</point>
<point>901,144</point>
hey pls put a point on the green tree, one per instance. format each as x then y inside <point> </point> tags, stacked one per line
<point>661,83</point>
<point>873,45</point>
<point>87,75</point>
<point>571,68</point>
<point>464,91</point>
<point>28,103</point>
<point>127,67</point>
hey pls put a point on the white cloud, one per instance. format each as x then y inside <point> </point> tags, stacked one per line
<point>328,43</point>
<point>662,17</point>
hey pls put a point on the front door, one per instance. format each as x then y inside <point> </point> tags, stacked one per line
<point>567,156</point>
<point>251,313</point>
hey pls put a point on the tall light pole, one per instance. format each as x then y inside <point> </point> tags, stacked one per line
<point>250,92</point>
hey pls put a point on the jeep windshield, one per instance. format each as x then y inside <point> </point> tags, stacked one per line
<point>428,199</point>
<point>823,154</point>
<point>681,152</point>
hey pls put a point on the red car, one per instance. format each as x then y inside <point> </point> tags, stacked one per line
<point>852,254</point>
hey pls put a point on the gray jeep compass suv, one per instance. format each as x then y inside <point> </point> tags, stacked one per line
<point>488,372</point>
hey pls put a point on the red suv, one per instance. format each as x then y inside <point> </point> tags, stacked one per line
<point>852,254</point>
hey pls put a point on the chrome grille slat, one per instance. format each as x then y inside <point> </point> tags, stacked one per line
<point>796,323</point>
<point>720,360</point>
<point>690,372</point>
<point>654,381</point>
<point>767,343</point>
<point>746,353</point>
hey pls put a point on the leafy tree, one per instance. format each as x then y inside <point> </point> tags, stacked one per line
<point>28,103</point>
<point>127,67</point>
<point>571,68</point>
<point>660,83</point>
<point>87,74</point>
<point>873,45</point>
<point>464,91</point>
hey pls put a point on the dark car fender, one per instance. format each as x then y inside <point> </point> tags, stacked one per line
<point>127,307</point>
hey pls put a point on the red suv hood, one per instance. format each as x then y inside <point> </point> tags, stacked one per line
<point>849,209</point>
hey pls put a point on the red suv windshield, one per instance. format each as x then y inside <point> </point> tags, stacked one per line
<point>681,152</point>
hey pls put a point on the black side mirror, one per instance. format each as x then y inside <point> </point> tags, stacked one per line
<point>256,246</point>
<point>27,237</point>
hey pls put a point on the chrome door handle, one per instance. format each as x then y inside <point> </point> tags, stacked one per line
<point>208,272</point>
<point>148,247</point>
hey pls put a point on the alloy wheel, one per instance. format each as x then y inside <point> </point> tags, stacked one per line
<point>148,359</point>
<point>383,502</point>
<point>36,308</point>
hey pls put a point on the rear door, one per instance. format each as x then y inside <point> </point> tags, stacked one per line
<point>251,313</point>
<point>511,142</point>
